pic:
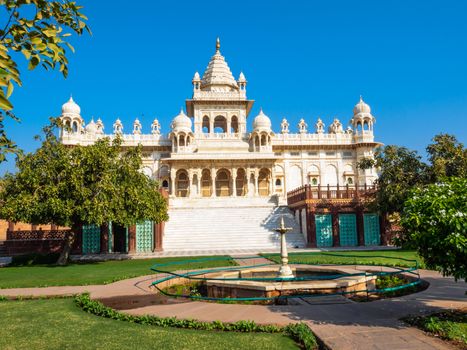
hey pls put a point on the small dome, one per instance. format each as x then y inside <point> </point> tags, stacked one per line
<point>181,121</point>
<point>361,107</point>
<point>91,128</point>
<point>262,121</point>
<point>241,78</point>
<point>70,107</point>
<point>196,77</point>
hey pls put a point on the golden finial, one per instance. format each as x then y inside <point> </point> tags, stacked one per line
<point>218,44</point>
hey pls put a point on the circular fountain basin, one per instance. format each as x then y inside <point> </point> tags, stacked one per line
<point>350,283</point>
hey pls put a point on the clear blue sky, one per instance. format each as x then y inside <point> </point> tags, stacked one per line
<point>301,59</point>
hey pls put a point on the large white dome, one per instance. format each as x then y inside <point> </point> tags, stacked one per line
<point>262,122</point>
<point>70,107</point>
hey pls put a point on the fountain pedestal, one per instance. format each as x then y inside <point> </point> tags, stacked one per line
<point>285,271</point>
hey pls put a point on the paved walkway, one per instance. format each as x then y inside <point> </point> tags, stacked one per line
<point>372,325</point>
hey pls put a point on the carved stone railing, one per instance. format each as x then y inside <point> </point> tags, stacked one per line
<point>309,192</point>
<point>37,235</point>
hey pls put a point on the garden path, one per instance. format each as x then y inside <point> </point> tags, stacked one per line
<point>372,325</point>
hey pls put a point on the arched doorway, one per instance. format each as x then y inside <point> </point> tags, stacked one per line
<point>263,182</point>
<point>223,183</point>
<point>182,184</point>
<point>240,183</point>
<point>206,183</point>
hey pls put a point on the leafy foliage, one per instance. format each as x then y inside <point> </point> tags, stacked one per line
<point>435,218</point>
<point>81,185</point>
<point>450,325</point>
<point>447,156</point>
<point>400,170</point>
<point>38,29</point>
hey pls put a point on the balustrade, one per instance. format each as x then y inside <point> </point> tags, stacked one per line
<point>328,192</point>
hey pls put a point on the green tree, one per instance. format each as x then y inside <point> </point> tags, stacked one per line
<point>80,185</point>
<point>38,29</point>
<point>435,218</point>
<point>448,157</point>
<point>400,169</point>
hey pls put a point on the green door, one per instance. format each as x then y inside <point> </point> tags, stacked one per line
<point>144,236</point>
<point>371,229</point>
<point>323,230</point>
<point>91,239</point>
<point>348,230</point>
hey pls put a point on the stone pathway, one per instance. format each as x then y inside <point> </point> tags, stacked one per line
<point>341,326</point>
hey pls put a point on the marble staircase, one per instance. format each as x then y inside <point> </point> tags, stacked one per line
<point>234,225</point>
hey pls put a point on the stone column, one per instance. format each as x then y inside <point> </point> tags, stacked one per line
<point>234,182</point>
<point>211,125</point>
<point>172,182</point>
<point>213,181</point>
<point>256,182</point>
<point>200,173</point>
<point>271,184</point>
<point>190,184</point>
<point>229,123</point>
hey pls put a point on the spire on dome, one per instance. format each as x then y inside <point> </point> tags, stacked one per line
<point>217,76</point>
<point>218,44</point>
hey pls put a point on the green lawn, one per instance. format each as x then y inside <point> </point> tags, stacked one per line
<point>78,274</point>
<point>59,324</point>
<point>450,325</point>
<point>357,257</point>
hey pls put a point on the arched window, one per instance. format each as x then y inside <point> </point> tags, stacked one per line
<point>74,127</point>
<point>234,125</point>
<point>220,124</point>
<point>314,181</point>
<point>263,140</point>
<point>181,141</point>
<point>165,184</point>
<point>206,126</point>
<point>350,181</point>
<point>278,182</point>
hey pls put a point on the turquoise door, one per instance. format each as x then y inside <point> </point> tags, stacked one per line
<point>371,229</point>
<point>144,236</point>
<point>323,230</point>
<point>91,239</point>
<point>348,230</point>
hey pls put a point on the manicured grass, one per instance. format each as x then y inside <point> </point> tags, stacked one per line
<point>59,324</point>
<point>77,274</point>
<point>356,257</point>
<point>450,325</point>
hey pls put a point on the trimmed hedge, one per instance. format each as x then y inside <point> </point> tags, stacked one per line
<point>299,332</point>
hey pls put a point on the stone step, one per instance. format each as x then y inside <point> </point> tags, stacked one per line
<point>219,228</point>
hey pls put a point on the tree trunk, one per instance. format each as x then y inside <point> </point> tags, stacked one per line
<point>69,240</point>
